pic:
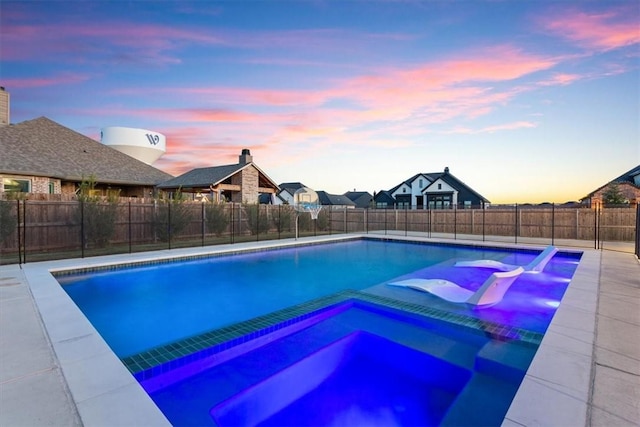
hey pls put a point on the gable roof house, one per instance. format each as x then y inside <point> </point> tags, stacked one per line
<point>362,199</point>
<point>335,201</point>
<point>628,185</point>
<point>43,157</point>
<point>287,190</point>
<point>243,182</point>
<point>440,190</point>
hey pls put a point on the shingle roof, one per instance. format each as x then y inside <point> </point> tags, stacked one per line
<point>327,199</point>
<point>203,177</point>
<point>628,176</point>
<point>625,178</point>
<point>42,147</point>
<point>362,199</point>
<point>291,187</point>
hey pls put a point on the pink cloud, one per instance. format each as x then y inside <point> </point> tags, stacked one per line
<point>561,79</point>
<point>60,79</point>
<point>601,31</point>
<point>492,129</point>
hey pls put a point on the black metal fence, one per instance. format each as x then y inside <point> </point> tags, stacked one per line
<point>34,230</point>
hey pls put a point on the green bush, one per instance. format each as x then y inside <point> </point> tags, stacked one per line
<point>257,218</point>
<point>177,211</point>
<point>217,218</point>
<point>282,219</point>
<point>97,215</point>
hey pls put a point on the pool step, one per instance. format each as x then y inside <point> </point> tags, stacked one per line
<point>483,402</point>
<point>505,360</point>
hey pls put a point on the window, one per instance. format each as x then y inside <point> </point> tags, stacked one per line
<point>52,188</point>
<point>439,201</point>
<point>16,185</point>
<point>404,190</point>
<point>439,186</point>
<point>420,182</point>
<point>467,204</point>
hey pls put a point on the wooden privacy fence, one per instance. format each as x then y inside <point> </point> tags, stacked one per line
<point>38,230</point>
<point>610,224</point>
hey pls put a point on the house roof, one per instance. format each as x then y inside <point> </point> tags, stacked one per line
<point>384,196</point>
<point>362,199</point>
<point>447,177</point>
<point>42,147</point>
<point>625,178</point>
<point>629,176</point>
<point>204,177</point>
<point>327,199</point>
<point>291,187</point>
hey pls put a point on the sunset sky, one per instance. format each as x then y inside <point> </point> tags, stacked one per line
<point>524,101</point>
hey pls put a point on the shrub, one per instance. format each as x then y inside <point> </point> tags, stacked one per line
<point>257,218</point>
<point>217,218</point>
<point>98,216</point>
<point>171,217</point>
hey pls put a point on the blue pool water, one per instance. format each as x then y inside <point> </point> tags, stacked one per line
<point>139,308</point>
<point>358,364</point>
<point>393,356</point>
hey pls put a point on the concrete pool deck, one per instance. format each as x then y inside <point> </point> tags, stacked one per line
<point>55,369</point>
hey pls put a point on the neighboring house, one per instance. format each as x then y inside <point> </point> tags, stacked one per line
<point>287,190</point>
<point>43,157</point>
<point>628,185</point>
<point>239,183</point>
<point>439,190</point>
<point>384,200</point>
<point>362,199</point>
<point>335,201</point>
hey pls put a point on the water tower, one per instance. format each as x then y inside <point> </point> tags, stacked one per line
<point>142,144</point>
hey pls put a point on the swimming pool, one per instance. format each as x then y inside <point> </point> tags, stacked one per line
<point>546,291</point>
<point>141,307</point>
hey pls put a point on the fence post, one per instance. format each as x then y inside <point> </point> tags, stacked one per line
<point>345,220</point>
<point>202,224</point>
<point>553,222</point>
<point>169,221</point>
<point>82,228</point>
<point>130,237</point>
<point>484,208</point>
<point>19,239</point>
<point>517,225</point>
<point>232,224</point>
<point>366,224</point>
<point>406,220</point>
<point>455,222</point>
<point>638,230</point>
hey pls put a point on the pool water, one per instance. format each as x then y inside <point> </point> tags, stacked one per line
<point>362,379</point>
<point>387,356</point>
<point>358,364</point>
<point>139,308</point>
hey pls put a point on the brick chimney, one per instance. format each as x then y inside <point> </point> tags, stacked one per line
<point>4,107</point>
<point>245,156</point>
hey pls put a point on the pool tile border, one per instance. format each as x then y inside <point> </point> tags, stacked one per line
<point>165,358</point>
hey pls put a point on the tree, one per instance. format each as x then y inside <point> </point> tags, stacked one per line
<point>613,196</point>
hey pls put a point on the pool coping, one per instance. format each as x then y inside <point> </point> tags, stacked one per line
<point>555,390</point>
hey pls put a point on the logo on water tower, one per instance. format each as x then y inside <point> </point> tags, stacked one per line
<point>153,139</point>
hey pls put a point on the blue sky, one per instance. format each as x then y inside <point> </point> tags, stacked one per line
<point>523,101</point>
